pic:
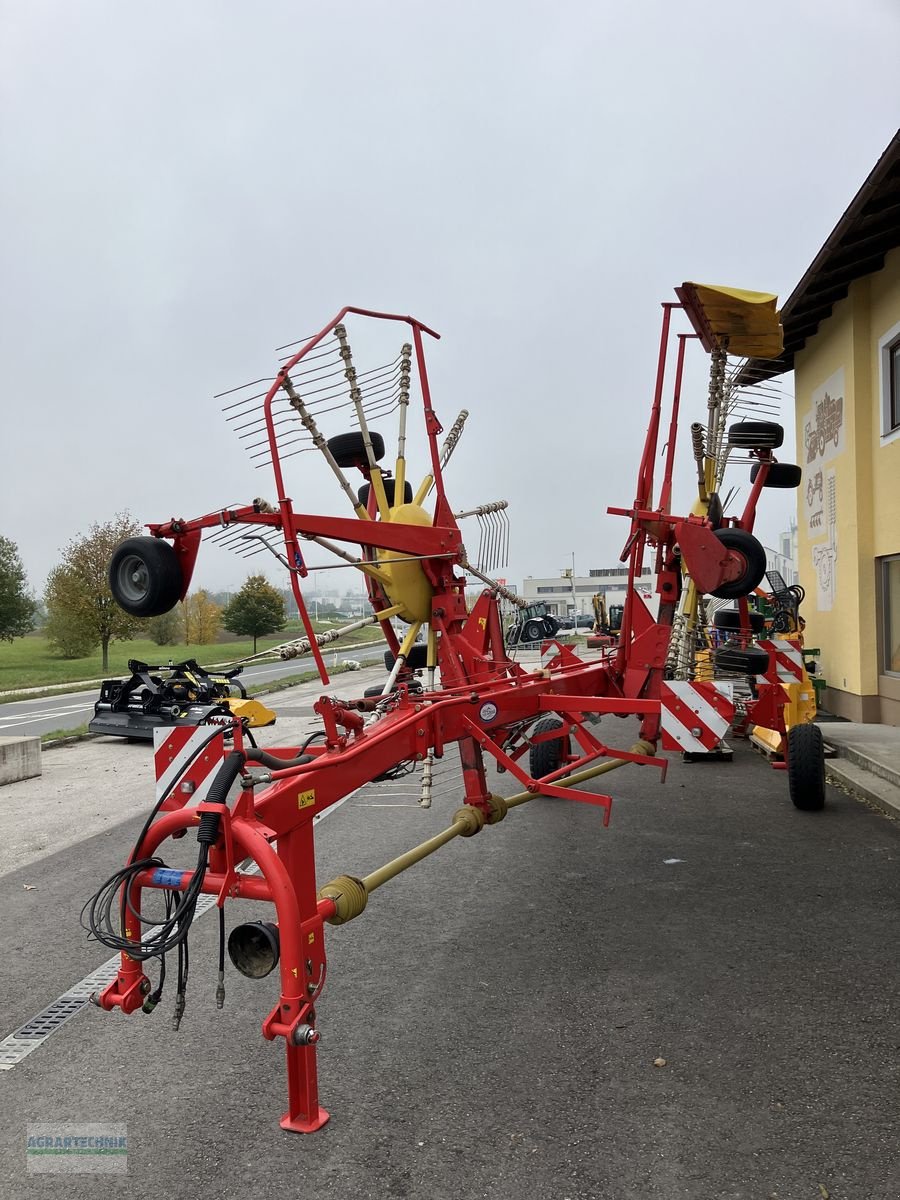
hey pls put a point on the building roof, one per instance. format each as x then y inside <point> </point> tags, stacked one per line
<point>855,247</point>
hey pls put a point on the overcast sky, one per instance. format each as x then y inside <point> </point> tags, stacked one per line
<point>187,186</point>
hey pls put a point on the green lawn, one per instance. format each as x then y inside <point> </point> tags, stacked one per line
<point>30,662</point>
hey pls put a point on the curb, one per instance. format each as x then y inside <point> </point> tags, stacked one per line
<point>864,785</point>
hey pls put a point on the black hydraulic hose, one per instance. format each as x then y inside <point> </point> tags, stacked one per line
<point>225,777</point>
<point>273,762</point>
<point>276,764</point>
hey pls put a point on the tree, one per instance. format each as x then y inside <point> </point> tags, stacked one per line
<point>257,609</point>
<point>81,611</point>
<point>17,605</point>
<point>166,629</point>
<point>202,619</point>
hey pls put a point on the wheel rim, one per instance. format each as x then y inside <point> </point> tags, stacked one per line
<point>133,579</point>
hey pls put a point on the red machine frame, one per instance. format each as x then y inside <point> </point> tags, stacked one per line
<point>486,704</point>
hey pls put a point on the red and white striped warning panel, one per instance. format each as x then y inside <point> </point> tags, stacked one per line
<point>788,660</point>
<point>186,759</point>
<point>695,716</point>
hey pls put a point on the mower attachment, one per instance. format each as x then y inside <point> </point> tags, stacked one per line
<point>186,694</point>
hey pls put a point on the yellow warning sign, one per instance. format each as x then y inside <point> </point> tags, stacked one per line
<point>306,799</point>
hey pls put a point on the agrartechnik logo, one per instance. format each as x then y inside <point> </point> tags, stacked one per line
<point>92,1148</point>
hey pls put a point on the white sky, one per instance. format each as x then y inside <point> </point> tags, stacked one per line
<point>187,186</point>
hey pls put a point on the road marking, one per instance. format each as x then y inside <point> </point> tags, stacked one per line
<point>50,714</point>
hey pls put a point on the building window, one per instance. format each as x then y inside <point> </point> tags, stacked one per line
<point>889,372</point>
<point>890,575</point>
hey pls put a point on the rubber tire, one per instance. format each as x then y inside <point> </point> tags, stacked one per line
<point>389,489</point>
<point>741,660</point>
<point>162,584</point>
<point>551,626</point>
<point>755,555</point>
<point>545,757</point>
<point>806,767</point>
<point>533,631</point>
<point>417,660</point>
<point>714,510</point>
<point>730,618</point>
<point>756,435</point>
<point>349,449</point>
<point>781,475</point>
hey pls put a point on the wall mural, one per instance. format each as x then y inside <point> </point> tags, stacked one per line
<point>823,438</point>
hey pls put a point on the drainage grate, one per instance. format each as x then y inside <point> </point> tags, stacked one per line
<point>21,1043</point>
<point>51,1018</point>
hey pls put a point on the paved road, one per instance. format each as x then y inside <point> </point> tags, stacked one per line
<point>71,709</point>
<point>490,1023</point>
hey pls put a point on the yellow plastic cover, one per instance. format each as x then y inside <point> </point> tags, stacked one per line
<point>749,320</point>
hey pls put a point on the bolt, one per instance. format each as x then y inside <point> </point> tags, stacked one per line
<point>305,1035</point>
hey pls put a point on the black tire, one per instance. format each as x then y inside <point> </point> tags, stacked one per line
<point>806,767</point>
<point>145,576</point>
<point>741,660</point>
<point>533,631</point>
<point>756,435</point>
<point>417,660</point>
<point>546,757</point>
<point>754,555</point>
<point>389,489</point>
<point>730,618</point>
<point>714,510</point>
<point>781,475</point>
<point>349,449</point>
<point>551,626</point>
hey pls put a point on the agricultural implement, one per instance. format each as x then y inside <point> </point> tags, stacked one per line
<point>256,808</point>
<point>179,694</point>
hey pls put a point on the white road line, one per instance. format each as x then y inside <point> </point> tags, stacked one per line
<point>51,714</point>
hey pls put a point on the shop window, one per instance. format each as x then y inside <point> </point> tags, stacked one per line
<point>890,575</point>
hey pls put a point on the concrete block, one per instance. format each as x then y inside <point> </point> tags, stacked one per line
<point>20,758</point>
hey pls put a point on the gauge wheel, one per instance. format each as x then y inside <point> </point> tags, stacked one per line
<point>145,576</point>
<point>389,490</point>
<point>730,618</point>
<point>754,563</point>
<point>349,449</point>
<point>417,659</point>
<point>806,767</point>
<point>741,660</point>
<point>756,435</point>
<point>546,757</point>
<point>780,475</point>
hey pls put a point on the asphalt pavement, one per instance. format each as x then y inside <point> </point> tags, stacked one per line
<point>700,1001</point>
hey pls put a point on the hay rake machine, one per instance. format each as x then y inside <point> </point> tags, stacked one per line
<point>253,810</point>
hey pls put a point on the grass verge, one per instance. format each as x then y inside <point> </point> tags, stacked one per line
<point>30,662</point>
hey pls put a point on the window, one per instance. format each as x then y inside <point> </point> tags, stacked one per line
<point>890,576</point>
<point>889,375</point>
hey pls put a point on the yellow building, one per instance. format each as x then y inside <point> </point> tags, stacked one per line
<point>842,339</point>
